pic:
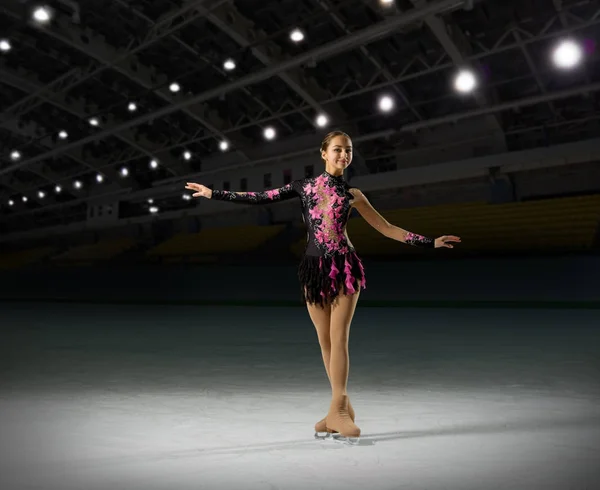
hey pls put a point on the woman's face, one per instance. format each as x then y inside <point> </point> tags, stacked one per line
<point>338,155</point>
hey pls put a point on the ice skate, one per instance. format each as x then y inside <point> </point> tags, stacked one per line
<point>321,431</point>
<point>338,422</point>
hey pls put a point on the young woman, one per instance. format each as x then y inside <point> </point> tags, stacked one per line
<point>331,274</point>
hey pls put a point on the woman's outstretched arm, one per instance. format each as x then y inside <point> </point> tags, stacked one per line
<point>271,195</point>
<point>371,216</point>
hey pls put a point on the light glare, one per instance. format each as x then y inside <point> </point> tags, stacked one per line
<point>269,133</point>
<point>322,120</point>
<point>386,103</point>
<point>465,81</point>
<point>567,54</point>
<point>5,45</point>
<point>41,14</point>
<point>296,35</point>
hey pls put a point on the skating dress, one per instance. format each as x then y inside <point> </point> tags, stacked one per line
<point>329,265</point>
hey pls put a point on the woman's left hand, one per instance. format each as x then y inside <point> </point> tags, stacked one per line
<point>446,241</point>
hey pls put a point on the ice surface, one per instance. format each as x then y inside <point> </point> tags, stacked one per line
<point>171,397</point>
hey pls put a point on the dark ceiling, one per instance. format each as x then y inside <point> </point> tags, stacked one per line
<point>96,57</point>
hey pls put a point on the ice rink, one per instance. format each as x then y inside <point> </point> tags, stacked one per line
<point>190,397</point>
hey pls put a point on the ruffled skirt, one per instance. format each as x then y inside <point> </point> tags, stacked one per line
<point>322,279</point>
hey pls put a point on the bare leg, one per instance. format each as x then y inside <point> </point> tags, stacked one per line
<point>338,419</point>
<point>321,318</point>
<point>342,313</point>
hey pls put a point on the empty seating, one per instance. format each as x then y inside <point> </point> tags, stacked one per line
<point>216,241</point>
<point>95,252</point>
<point>21,258</point>
<point>567,223</point>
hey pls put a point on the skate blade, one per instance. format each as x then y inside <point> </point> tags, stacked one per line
<point>348,441</point>
<point>322,436</point>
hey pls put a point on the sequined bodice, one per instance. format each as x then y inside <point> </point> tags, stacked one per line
<point>326,203</point>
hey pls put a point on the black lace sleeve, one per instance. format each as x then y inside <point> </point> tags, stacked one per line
<point>284,193</point>
<point>419,240</point>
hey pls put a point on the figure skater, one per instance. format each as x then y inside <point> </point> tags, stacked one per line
<point>331,274</point>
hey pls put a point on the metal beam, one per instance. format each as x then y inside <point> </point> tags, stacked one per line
<point>128,65</point>
<point>31,131</point>
<point>209,63</point>
<point>229,20</point>
<point>385,73</point>
<point>341,45</point>
<point>459,56</point>
<point>499,47</point>
<point>174,184</point>
<point>30,82</point>
<point>533,68</point>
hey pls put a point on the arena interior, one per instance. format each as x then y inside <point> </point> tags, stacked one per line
<point>155,340</point>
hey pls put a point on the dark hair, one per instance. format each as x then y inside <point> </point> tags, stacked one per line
<point>330,136</point>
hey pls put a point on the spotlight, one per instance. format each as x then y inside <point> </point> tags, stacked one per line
<point>132,107</point>
<point>153,164</point>
<point>297,35</point>
<point>15,155</point>
<point>187,155</point>
<point>42,15</point>
<point>150,201</point>
<point>269,133</point>
<point>124,171</point>
<point>11,202</point>
<point>224,146</point>
<point>465,81</point>
<point>5,45</point>
<point>322,120</point>
<point>153,209</point>
<point>77,184</point>
<point>386,103</point>
<point>94,121</point>
<point>186,197</point>
<point>24,198</point>
<point>99,178</point>
<point>229,64</point>
<point>58,189</point>
<point>174,87</point>
<point>567,54</point>
<point>63,135</point>
<point>41,194</point>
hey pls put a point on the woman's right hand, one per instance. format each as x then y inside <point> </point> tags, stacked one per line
<point>200,190</point>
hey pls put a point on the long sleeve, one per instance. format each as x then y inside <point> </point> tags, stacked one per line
<point>284,193</point>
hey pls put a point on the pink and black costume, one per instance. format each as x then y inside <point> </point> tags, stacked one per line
<point>330,265</point>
